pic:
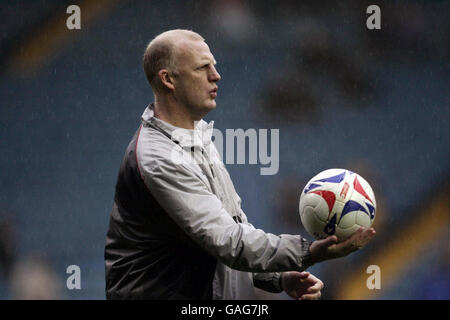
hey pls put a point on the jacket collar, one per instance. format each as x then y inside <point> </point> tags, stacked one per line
<point>199,137</point>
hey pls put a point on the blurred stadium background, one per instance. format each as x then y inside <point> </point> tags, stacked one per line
<point>375,102</point>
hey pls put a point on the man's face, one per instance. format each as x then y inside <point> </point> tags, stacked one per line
<point>196,77</point>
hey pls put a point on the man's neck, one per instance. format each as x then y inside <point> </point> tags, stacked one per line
<point>174,114</point>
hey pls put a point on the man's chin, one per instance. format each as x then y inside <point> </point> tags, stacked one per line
<point>205,108</point>
<point>211,105</point>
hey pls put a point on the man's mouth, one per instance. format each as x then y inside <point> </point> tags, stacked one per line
<point>213,93</point>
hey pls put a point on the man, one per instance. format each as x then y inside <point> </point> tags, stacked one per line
<point>177,230</point>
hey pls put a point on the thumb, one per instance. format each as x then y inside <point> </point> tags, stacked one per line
<point>325,243</point>
<point>303,275</point>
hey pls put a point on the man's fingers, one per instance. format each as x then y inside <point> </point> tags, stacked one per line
<point>311,296</point>
<point>357,234</point>
<point>304,275</point>
<point>357,240</point>
<point>363,237</point>
<point>366,236</point>
<point>315,288</point>
<point>330,247</point>
<point>369,233</point>
<point>325,243</point>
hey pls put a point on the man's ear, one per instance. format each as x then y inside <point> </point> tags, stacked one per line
<point>166,79</point>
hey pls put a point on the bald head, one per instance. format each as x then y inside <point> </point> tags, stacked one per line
<point>161,53</point>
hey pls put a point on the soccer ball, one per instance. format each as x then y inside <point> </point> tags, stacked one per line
<point>336,202</point>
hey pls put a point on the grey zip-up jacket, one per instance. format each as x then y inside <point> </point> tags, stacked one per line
<point>177,230</point>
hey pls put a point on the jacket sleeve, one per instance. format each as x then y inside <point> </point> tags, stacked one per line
<point>271,281</point>
<point>268,281</point>
<point>186,198</point>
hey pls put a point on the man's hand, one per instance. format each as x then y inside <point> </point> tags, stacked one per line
<point>330,248</point>
<point>301,285</point>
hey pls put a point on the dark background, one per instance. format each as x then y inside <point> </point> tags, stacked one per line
<point>372,101</point>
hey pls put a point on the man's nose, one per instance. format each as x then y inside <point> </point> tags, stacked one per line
<point>215,76</point>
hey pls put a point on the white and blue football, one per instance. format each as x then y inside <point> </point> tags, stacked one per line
<point>336,202</point>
